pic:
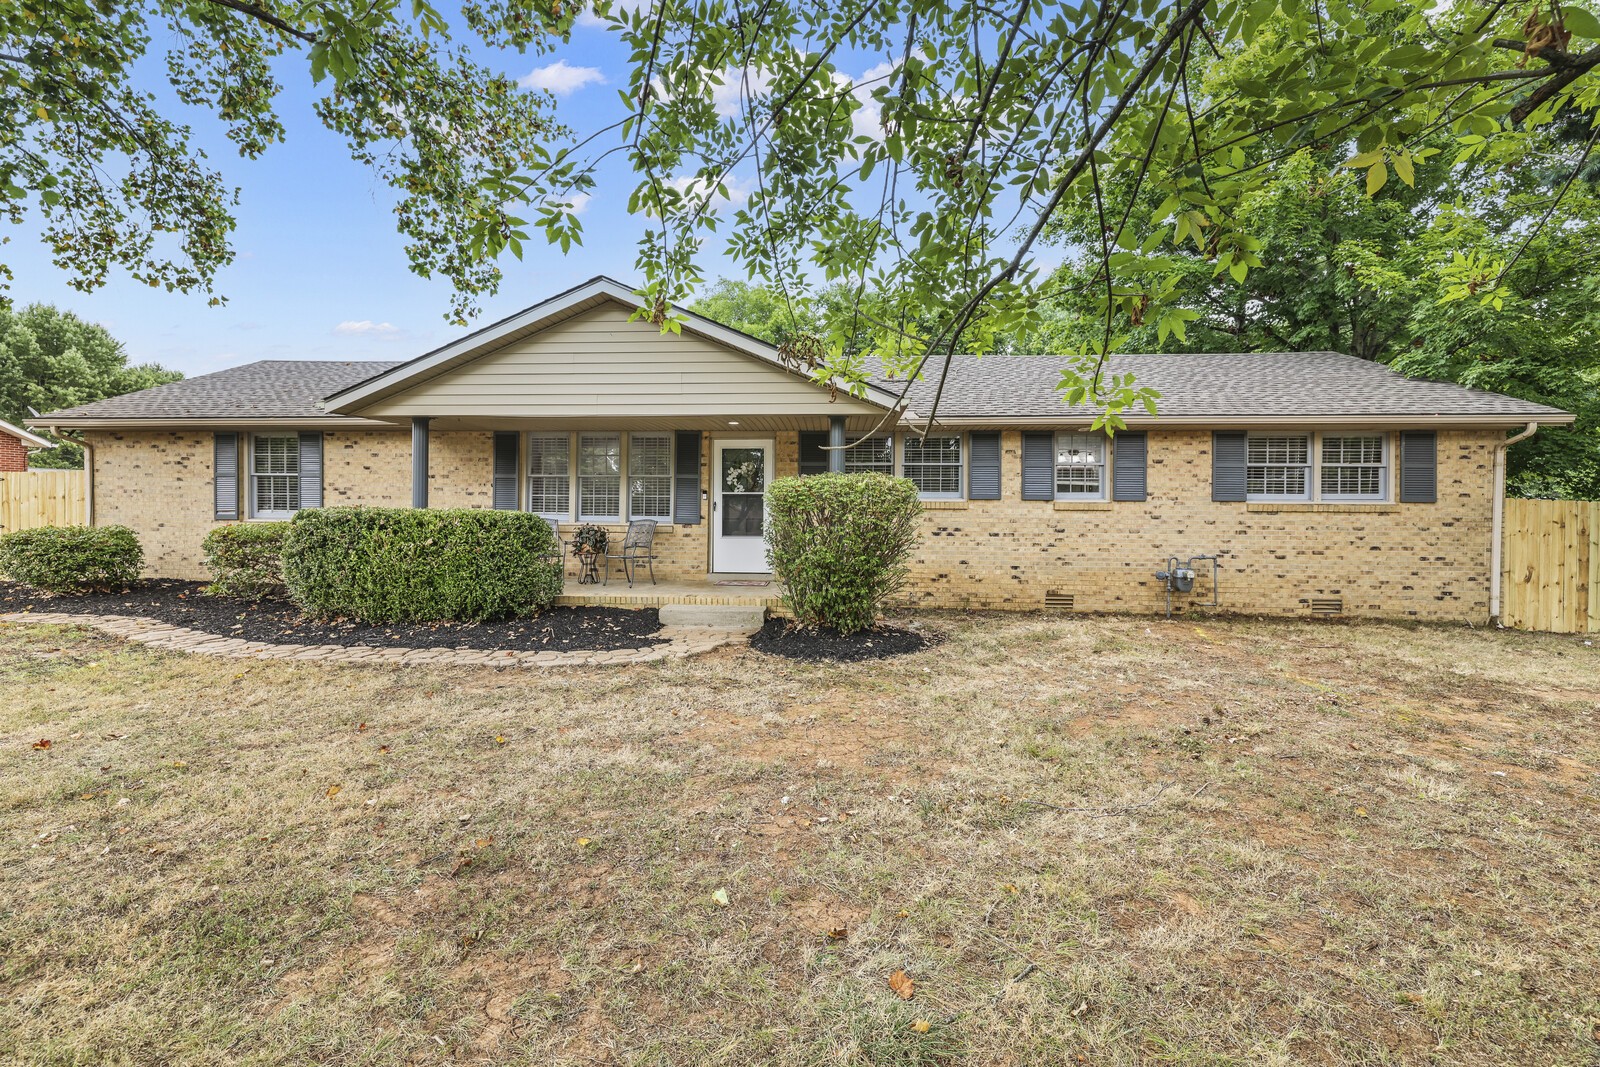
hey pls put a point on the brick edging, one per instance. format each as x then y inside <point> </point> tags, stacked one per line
<point>680,642</point>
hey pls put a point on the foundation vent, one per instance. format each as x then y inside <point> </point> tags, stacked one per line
<point>1054,598</point>
<point>1327,606</point>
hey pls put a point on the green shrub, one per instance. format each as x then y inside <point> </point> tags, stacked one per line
<point>72,559</point>
<point>405,565</point>
<point>839,544</point>
<point>245,558</point>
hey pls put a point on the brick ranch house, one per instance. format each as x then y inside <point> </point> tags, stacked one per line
<point>1324,482</point>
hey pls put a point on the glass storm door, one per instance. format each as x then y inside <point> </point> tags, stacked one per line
<point>738,508</point>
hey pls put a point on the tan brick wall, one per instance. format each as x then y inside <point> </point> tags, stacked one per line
<point>1426,561</point>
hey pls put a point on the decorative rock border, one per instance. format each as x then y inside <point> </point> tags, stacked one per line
<point>680,642</point>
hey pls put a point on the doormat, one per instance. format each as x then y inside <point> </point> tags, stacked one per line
<point>740,581</point>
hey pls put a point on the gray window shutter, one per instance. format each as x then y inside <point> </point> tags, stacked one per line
<point>1130,453</point>
<point>506,444</point>
<point>1038,466</point>
<point>983,471</point>
<point>813,452</point>
<point>311,470</point>
<point>1229,453</point>
<point>1419,467</point>
<point>225,475</point>
<point>686,479</point>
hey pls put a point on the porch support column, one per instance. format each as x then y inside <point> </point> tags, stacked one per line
<point>836,444</point>
<point>419,462</point>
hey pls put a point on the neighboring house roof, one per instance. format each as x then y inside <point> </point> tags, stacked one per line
<point>31,440</point>
<point>269,389</point>
<point>1262,388</point>
<point>1210,388</point>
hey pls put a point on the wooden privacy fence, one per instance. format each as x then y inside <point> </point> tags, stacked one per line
<point>1551,575</point>
<point>40,498</point>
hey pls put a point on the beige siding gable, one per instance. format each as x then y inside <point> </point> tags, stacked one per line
<point>600,364</point>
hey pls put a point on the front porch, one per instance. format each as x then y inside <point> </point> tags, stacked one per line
<point>703,592</point>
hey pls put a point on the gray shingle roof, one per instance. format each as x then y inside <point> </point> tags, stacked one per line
<point>1231,385</point>
<point>1225,386</point>
<point>269,389</point>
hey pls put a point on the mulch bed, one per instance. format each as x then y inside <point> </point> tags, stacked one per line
<point>783,637</point>
<point>584,629</point>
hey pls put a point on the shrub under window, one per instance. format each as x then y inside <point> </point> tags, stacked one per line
<point>72,559</point>
<point>420,565</point>
<point>245,558</point>
<point>839,544</point>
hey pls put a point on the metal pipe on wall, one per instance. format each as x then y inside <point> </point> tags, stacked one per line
<point>1498,511</point>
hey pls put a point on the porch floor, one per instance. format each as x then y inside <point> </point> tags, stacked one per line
<point>644,595</point>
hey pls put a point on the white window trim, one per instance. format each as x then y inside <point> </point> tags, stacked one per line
<point>1310,468</point>
<point>525,463</point>
<point>249,458</point>
<point>1384,471</point>
<point>628,475</point>
<point>1314,493</point>
<point>961,466</point>
<point>1105,468</point>
<point>624,493</point>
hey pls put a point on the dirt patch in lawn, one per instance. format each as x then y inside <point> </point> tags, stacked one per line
<point>587,629</point>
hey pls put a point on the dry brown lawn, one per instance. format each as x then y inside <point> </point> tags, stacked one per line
<point>1085,840</point>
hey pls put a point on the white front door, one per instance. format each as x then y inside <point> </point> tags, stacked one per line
<point>740,474</point>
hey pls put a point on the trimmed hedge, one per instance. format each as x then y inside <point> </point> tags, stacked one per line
<point>839,544</point>
<point>245,558</point>
<point>72,559</point>
<point>420,565</point>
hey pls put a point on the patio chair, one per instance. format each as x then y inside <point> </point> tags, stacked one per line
<point>636,548</point>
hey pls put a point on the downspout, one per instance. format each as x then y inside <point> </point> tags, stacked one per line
<point>1497,532</point>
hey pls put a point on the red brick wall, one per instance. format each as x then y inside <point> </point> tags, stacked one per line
<point>13,454</point>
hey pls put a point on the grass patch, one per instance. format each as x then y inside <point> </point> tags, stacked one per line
<point>1114,839</point>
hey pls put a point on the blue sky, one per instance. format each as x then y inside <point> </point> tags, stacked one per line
<point>321,272</point>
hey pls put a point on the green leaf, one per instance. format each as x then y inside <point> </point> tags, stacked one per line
<point>1403,169</point>
<point>1581,22</point>
<point>1377,175</point>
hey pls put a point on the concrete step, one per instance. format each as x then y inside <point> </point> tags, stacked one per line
<point>736,618</point>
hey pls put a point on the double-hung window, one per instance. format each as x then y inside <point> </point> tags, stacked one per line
<point>599,477</point>
<point>1278,466</point>
<point>871,455</point>
<point>1354,467</point>
<point>274,476</point>
<point>549,475</point>
<point>933,464</point>
<point>1080,466</point>
<point>650,476</point>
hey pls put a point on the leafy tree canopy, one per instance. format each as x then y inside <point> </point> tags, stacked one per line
<point>118,184</point>
<point>52,359</point>
<point>924,185</point>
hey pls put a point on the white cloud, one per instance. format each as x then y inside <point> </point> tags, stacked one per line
<point>867,121</point>
<point>728,98</point>
<point>354,328</point>
<point>562,78</point>
<point>739,189</point>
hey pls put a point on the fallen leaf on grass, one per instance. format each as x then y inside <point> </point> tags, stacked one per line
<point>1361,813</point>
<point>383,748</point>
<point>42,744</point>
<point>361,727</point>
<point>483,842</point>
<point>721,897</point>
<point>499,740</point>
<point>461,864</point>
<point>921,1026</point>
<point>903,986</point>
<point>584,842</point>
<point>1010,888</point>
<point>838,933</point>
<point>333,791</point>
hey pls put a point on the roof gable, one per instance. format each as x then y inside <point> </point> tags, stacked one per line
<point>583,354</point>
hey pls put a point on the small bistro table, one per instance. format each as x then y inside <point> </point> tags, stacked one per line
<point>588,566</point>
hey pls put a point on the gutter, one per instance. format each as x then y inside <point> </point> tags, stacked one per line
<point>1497,533</point>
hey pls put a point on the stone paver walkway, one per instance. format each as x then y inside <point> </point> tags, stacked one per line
<point>677,643</point>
